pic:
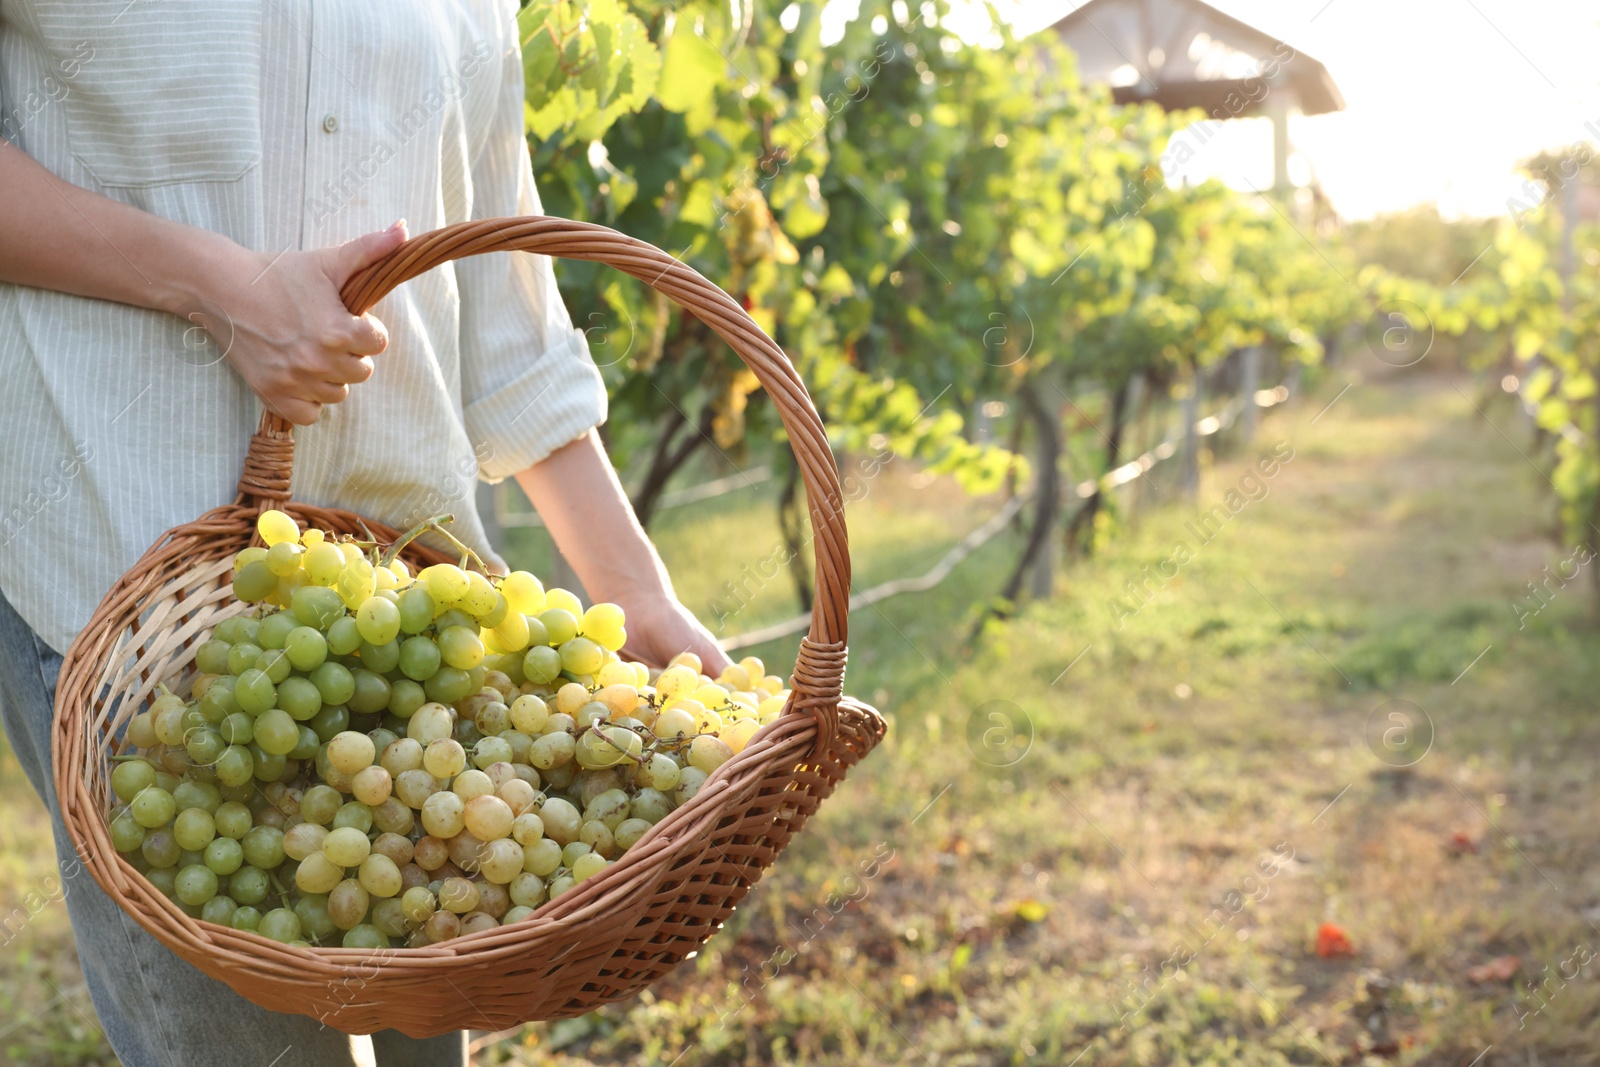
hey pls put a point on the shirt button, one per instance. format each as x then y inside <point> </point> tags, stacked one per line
<point>330,123</point>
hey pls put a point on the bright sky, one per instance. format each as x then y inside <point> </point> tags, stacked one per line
<point>1443,97</point>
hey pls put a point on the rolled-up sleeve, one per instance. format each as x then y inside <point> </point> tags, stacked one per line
<point>528,382</point>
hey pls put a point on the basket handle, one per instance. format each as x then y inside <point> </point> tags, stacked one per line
<point>819,670</point>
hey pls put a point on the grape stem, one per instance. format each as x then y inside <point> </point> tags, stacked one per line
<point>435,524</point>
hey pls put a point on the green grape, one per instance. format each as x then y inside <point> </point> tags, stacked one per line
<point>254,582</point>
<point>346,846</point>
<point>574,850</point>
<point>690,779</point>
<point>448,685</point>
<point>380,658</point>
<point>629,831</point>
<point>194,829</point>
<point>707,753</point>
<point>332,719</point>
<point>335,682</point>
<point>275,629</point>
<point>419,658</point>
<point>275,731</point>
<point>242,656</point>
<point>353,815</point>
<point>218,704</point>
<point>224,855</point>
<point>538,633</point>
<point>372,690</point>
<point>651,804</point>
<point>299,698</point>
<point>236,729</point>
<point>275,662</point>
<point>235,766</point>
<point>389,918</point>
<point>219,910</point>
<point>561,820</point>
<point>142,729</point>
<point>191,794</point>
<point>132,777</point>
<point>581,656</point>
<point>365,935</point>
<point>196,884</point>
<point>662,772</point>
<point>602,620</point>
<point>591,713</point>
<point>280,924</point>
<point>559,624</point>
<point>552,750</point>
<point>430,723</point>
<point>312,910</point>
<point>306,647</point>
<point>490,750</point>
<point>152,807</point>
<point>267,767</point>
<point>344,637</point>
<point>317,606</point>
<point>169,726</point>
<point>496,614</point>
<point>164,879</point>
<point>233,819</point>
<point>598,836</point>
<point>378,620</point>
<point>416,610</point>
<point>306,747</point>
<point>543,857</point>
<point>589,865</point>
<point>283,558</point>
<point>323,562</point>
<point>460,647</point>
<point>126,833</point>
<point>160,848</point>
<point>250,885</point>
<point>446,583</point>
<point>255,691</point>
<point>228,632</point>
<point>417,904</point>
<point>212,657</point>
<point>454,617</point>
<point>246,917</point>
<point>405,695</point>
<point>320,804</point>
<point>263,847</point>
<point>541,664</point>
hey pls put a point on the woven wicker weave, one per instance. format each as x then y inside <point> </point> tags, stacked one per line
<point>614,933</point>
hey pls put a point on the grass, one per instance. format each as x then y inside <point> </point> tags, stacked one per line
<point>1198,772</point>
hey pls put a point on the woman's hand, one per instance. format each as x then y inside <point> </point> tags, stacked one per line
<point>660,627</point>
<point>576,492</point>
<point>281,325</point>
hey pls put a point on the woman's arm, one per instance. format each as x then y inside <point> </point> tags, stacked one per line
<point>285,331</point>
<point>578,496</point>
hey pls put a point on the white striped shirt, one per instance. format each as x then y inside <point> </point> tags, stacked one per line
<point>283,124</point>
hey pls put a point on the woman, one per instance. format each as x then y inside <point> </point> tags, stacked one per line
<point>186,187</point>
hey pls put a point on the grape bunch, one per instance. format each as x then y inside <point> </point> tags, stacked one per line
<point>376,759</point>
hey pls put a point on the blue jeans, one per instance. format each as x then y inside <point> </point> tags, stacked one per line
<point>157,1010</point>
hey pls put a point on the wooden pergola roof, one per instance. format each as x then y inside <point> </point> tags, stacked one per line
<point>1185,53</point>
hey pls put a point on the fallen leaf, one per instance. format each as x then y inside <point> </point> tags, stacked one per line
<point>1030,910</point>
<point>1333,942</point>
<point>1499,969</point>
<point>1461,843</point>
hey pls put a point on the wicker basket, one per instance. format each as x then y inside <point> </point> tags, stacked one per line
<point>614,933</point>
